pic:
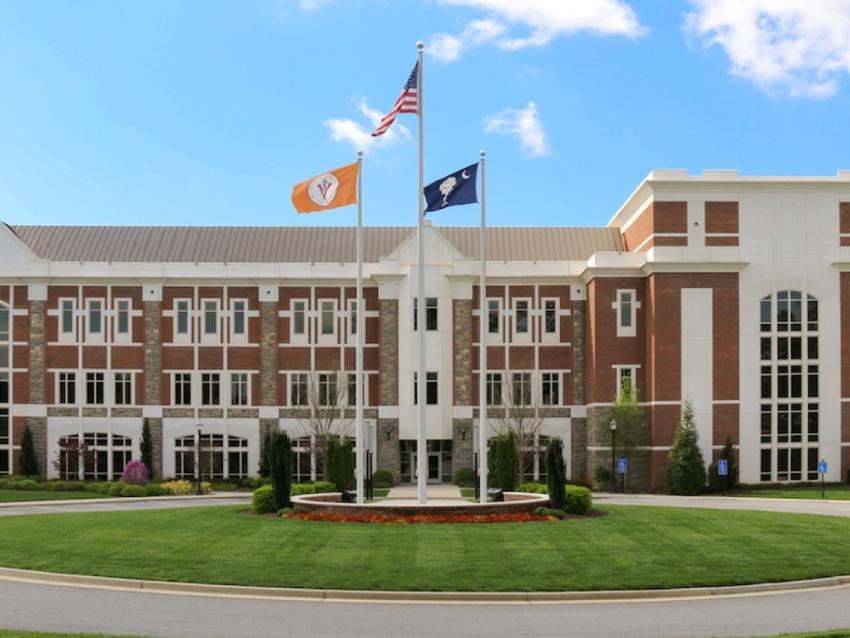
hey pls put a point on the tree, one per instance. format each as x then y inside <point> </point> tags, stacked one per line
<point>502,461</point>
<point>265,452</point>
<point>146,448</point>
<point>28,459</point>
<point>556,473</point>
<point>629,416</point>
<point>730,481</point>
<point>520,417</point>
<point>339,462</point>
<point>324,412</point>
<point>685,465</point>
<point>281,471</point>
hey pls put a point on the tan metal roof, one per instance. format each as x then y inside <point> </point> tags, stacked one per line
<point>253,244</point>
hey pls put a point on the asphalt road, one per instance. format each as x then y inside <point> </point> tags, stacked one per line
<point>71,609</point>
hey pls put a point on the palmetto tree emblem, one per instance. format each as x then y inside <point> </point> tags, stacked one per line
<point>446,188</point>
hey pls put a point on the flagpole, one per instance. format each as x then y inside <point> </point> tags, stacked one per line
<point>483,319</point>
<point>422,439</point>
<point>360,309</point>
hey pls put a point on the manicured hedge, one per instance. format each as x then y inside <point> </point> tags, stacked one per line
<point>579,499</point>
<point>383,478</point>
<point>263,500</point>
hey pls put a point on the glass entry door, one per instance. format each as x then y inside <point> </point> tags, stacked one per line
<point>435,467</point>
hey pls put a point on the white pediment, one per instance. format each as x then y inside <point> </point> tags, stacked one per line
<point>439,251</point>
<point>13,252</point>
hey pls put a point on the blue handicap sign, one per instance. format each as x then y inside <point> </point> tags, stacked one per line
<point>622,466</point>
<point>723,467</point>
<point>822,467</point>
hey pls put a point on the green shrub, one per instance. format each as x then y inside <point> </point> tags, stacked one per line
<point>549,511</point>
<point>26,484</point>
<point>578,499</point>
<point>280,466</point>
<point>262,500</point>
<point>63,486</point>
<point>603,478</point>
<point>383,478</point>
<point>115,489</point>
<point>93,486</point>
<point>300,489</point>
<point>28,460</point>
<point>685,466</point>
<point>146,448</point>
<point>154,489</point>
<point>533,488</point>
<point>502,462</point>
<point>323,487</point>
<point>224,486</point>
<point>717,483</point>
<point>339,461</point>
<point>134,490</point>
<point>555,473</point>
<point>465,477</point>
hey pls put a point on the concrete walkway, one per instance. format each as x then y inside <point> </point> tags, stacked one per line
<point>782,505</point>
<point>441,494</point>
<point>123,504</point>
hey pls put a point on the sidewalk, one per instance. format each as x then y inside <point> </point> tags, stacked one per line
<point>437,494</point>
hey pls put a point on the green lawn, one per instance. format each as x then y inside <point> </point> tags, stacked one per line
<point>834,491</point>
<point>632,547</point>
<point>16,496</point>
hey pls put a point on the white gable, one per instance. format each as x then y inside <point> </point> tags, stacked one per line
<point>439,251</point>
<point>13,252</point>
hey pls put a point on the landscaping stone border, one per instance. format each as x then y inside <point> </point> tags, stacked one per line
<point>515,502</point>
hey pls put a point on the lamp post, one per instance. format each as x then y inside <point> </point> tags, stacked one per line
<point>613,426</point>
<point>198,474</point>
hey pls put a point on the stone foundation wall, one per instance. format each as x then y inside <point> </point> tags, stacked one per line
<point>388,455</point>
<point>462,444</point>
<point>579,467</point>
<point>37,425</point>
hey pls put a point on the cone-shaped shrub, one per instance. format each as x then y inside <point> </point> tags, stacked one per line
<point>555,473</point>
<point>685,465</point>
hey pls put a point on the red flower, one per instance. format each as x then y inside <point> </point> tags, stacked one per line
<point>339,517</point>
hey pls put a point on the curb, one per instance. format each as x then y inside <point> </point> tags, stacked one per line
<point>341,595</point>
<point>70,502</point>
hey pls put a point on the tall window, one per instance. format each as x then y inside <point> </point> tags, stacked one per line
<point>626,307</point>
<point>220,456</point>
<point>210,388</point>
<point>430,313</point>
<point>122,319</point>
<point>551,394</point>
<point>431,388</point>
<point>238,318</point>
<point>95,318</point>
<point>550,316</point>
<point>298,318</point>
<point>94,462</point>
<point>327,389</point>
<point>123,388</point>
<point>210,317</point>
<point>239,388</point>
<point>493,316</point>
<point>182,388</point>
<point>67,319</point>
<point>626,381</point>
<point>5,443</point>
<point>182,319</point>
<point>521,387</point>
<point>494,388</point>
<point>327,317</point>
<point>352,317</point>
<point>94,388</point>
<point>352,389</point>
<point>789,410</point>
<point>67,388</point>
<point>298,389</point>
<point>522,316</point>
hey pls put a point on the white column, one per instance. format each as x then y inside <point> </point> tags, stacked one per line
<point>483,425</point>
<point>422,438</point>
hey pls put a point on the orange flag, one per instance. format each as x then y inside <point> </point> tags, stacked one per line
<point>333,189</point>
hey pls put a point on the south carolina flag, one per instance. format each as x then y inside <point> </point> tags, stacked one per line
<point>333,189</point>
<point>452,190</point>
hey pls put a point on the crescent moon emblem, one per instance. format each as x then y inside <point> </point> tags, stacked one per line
<point>464,175</point>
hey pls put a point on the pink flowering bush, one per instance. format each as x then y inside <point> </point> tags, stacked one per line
<point>135,473</point>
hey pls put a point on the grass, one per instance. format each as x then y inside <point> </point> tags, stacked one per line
<point>833,491</point>
<point>17,496</point>
<point>631,548</point>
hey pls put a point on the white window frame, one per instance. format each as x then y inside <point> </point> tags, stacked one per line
<point>330,337</point>
<point>623,330</point>
<point>115,376</point>
<point>559,382</point>
<point>431,377</point>
<point>239,337</point>
<point>290,383</point>
<point>187,377</point>
<point>490,384</point>
<point>303,336</point>
<point>212,379</point>
<point>102,381</point>
<point>75,377</point>
<point>550,337</point>
<point>247,389</point>
<point>182,337</point>
<point>210,337</point>
<point>352,400</point>
<point>117,335</point>
<point>621,372</point>
<point>522,373</point>
<point>493,337</point>
<point>351,321</point>
<point>522,337</point>
<point>67,336</point>
<point>100,335</point>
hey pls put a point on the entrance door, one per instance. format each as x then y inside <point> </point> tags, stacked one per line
<point>435,467</point>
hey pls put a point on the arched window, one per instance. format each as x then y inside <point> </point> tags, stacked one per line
<point>790,426</point>
<point>98,456</point>
<point>5,390</point>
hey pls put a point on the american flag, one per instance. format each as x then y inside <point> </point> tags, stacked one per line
<point>407,102</point>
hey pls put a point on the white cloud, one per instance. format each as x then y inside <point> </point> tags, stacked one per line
<point>311,5</point>
<point>546,19</point>
<point>525,125</point>
<point>783,46</point>
<point>348,131</point>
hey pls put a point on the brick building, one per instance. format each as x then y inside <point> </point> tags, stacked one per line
<point>730,292</point>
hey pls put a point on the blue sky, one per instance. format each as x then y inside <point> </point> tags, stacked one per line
<point>189,113</point>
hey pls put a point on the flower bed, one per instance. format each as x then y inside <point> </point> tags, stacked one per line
<point>339,517</point>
